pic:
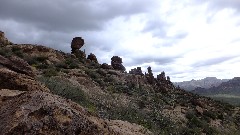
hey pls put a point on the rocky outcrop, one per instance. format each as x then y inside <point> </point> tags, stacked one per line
<point>136,71</point>
<point>37,112</point>
<point>116,63</point>
<point>3,39</point>
<point>76,44</point>
<point>106,66</point>
<point>92,57</point>
<point>161,77</point>
<point>15,81</point>
<point>150,76</point>
<point>16,64</point>
<point>43,113</point>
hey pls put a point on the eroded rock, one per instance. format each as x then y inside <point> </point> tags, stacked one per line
<point>3,39</point>
<point>15,81</point>
<point>136,71</point>
<point>16,64</point>
<point>92,57</point>
<point>116,63</point>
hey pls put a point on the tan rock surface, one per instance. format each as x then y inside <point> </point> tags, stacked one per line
<point>12,80</point>
<point>17,64</point>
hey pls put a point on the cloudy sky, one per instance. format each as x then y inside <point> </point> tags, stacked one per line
<point>188,39</point>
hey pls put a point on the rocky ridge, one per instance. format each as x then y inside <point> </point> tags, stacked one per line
<point>28,107</point>
<point>70,94</point>
<point>206,83</point>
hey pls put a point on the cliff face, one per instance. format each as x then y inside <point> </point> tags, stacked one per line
<point>58,93</point>
<point>206,83</point>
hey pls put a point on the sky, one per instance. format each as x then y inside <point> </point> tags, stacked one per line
<point>191,39</point>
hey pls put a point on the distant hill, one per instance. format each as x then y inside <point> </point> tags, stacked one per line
<point>227,91</point>
<point>206,83</point>
<point>230,87</point>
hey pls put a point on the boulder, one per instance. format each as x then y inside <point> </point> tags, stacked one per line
<point>92,57</point>
<point>77,43</point>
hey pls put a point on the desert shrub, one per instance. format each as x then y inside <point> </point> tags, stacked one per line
<point>210,114</point>
<point>17,51</point>
<point>190,115</point>
<point>93,74</point>
<point>35,60</point>
<point>73,65</point>
<point>65,89</point>
<point>50,72</point>
<point>5,52</point>
<point>61,65</point>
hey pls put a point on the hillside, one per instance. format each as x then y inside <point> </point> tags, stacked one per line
<point>45,91</point>
<point>227,91</point>
<point>206,83</point>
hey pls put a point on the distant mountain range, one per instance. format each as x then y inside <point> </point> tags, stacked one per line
<point>230,87</point>
<point>205,83</point>
<point>227,91</point>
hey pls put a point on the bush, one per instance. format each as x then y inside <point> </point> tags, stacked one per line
<point>36,60</point>
<point>50,72</point>
<point>17,51</point>
<point>5,52</point>
<point>210,114</point>
<point>65,89</point>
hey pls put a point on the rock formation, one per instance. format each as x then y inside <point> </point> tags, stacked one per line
<point>168,79</point>
<point>117,63</point>
<point>92,57</point>
<point>15,81</point>
<point>136,71</point>
<point>150,76</point>
<point>16,64</point>
<point>106,66</point>
<point>3,39</point>
<point>161,77</point>
<point>76,44</point>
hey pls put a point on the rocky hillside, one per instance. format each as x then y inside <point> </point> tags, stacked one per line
<point>45,91</point>
<point>205,83</point>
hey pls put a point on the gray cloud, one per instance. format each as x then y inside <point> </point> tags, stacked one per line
<point>157,27</point>
<point>215,5</point>
<point>149,59</point>
<point>68,16</point>
<point>212,61</point>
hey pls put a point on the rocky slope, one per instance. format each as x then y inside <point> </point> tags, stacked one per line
<point>70,94</point>
<point>206,83</point>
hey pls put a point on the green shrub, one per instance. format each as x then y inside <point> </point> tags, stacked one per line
<point>5,52</point>
<point>17,51</point>
<point>210,114</point>
<point>65,89</point>
<point>50,72</point>
<point>35,60</point>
